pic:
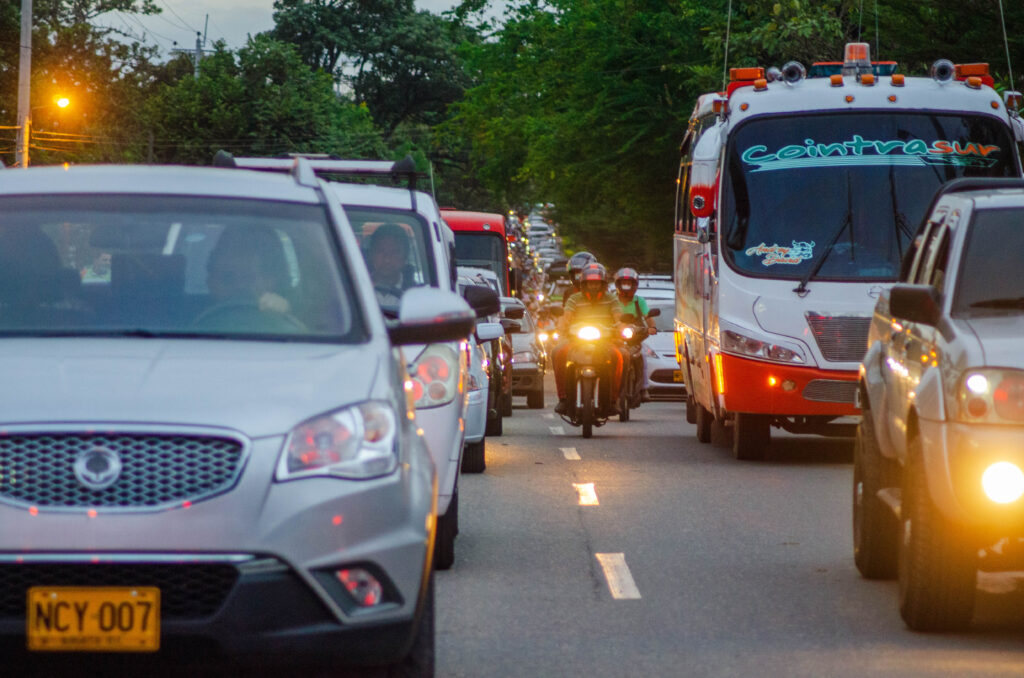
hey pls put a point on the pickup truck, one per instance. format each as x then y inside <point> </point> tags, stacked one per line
<point>938,486</point>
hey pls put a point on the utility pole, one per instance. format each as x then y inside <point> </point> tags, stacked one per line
<point>24,83</point>
<point>200,44</point>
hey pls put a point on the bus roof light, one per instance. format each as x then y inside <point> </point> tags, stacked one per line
<point>966,70</point>
<point>836,80</point>
<point>974,82</point>
<point>898,80</point>
<point>761,84</point>
<point>793,72</point>
<point>857,58</point>
<point>867,79</point>
<point>943,70</point>
<point>751,73</point>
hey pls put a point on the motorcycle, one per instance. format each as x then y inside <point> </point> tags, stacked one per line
<point>632,373</point>
<point>589,377</point>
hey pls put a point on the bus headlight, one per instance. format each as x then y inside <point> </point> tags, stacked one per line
<point>747,344</point>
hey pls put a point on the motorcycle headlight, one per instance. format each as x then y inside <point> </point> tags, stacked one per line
<point>524,357</point>
<point>991,395</point>
<point>435,376</point>
<point>627,333</point>
<point>356,442</point>
<point>543,336</point>
<point>744,344</point>
<point>589,333</point>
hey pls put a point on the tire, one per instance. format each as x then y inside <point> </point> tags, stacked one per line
<point>495,426</point>
<point>474,458</point>
<point>704,421</point>
<point>419,661</point>
<point>447,529</point>
<point>691,410</point>
<point>587,410</point>
<point>937,559</point>
<point>535,399</point>
<point>625,388</point>
<point>750,436</point>
<point>875,527</point>
<point>506,404</point>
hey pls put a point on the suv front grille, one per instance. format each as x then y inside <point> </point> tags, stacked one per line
<point>155,469</point>
<point>187,590</point>
<point>841,339</point>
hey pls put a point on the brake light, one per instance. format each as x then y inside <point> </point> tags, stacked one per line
<point>1008,398</point>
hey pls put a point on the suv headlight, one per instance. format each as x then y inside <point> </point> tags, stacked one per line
<point>356,442</point>
<point>991,396</point>
<point>435,376</point>
<point>747,343</point>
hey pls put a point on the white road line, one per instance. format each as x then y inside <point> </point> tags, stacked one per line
<point>549,415</point>
<point>620,580</point>
<point>556,430</point>
<point>587,494</point>
<point>570,453</point>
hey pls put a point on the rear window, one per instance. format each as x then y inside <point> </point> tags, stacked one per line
<point>990,279</point>
<point>172,266</point>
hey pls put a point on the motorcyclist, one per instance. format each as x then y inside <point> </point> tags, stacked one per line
<point>575,266</point>
<point>591,304</point>
<point>627,280</point>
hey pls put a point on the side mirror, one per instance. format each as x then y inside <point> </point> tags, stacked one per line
<point>429,315</point>
<point>704,230</point>
<point>916,303</point>
<point>654,313</point>
<point>483,300</point>
<point>515,312</point>
<point>511,326</point>
<point>489,332</point>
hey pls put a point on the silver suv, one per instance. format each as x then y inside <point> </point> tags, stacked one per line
<point>207,442</point>
<point>939,464</point>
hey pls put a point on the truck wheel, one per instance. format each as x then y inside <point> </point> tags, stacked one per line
<point>474,457</point>
<point>587,407</point>
<point>535,399</point>
<point>447,529</point>
<point>691,410</point>
<point>875,528</point>
<point>704,421</point>
<point>937,560</point>
<point>751,435</point>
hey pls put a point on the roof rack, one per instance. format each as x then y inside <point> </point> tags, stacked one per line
<point>320,163</point>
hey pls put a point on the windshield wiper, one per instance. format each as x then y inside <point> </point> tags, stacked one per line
<point>801,289</point>
<point>1004,302</point>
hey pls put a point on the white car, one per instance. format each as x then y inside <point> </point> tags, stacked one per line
<point>664,378</point>
<point>474,456</point>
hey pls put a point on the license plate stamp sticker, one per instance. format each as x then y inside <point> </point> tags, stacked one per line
<point>93,619</point>
<point>796,253</point>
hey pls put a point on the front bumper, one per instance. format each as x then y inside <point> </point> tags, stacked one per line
<point>955,456</point>
<point>759,387</point>
<point>665,379</point>
<point>260,558</point>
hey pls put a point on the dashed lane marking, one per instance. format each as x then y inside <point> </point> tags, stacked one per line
<point>570,453</point>
<point>556,430</point>
<point>587,494</point>
<point>620,579</point>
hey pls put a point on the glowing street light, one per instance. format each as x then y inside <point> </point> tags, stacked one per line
<point>63,102</point>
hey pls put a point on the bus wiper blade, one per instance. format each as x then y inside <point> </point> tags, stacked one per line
<point>801,289</point>
<point>1004,302</point>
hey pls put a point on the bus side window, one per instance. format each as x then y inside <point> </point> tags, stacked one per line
<point>684,220</point>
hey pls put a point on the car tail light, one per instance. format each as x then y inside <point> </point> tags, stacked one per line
<point>435,376</point>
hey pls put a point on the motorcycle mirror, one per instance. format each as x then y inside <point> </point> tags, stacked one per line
<point>654,313</point>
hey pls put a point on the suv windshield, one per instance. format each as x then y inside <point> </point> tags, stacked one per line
<point>171,266</point>
<point>849,187</point>
<point>395,245</point>
<point>989,280</point>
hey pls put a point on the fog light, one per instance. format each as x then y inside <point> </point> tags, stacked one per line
<point>361,585</point>
<point>1003,482</point>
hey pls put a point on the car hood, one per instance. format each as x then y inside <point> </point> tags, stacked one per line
<point>999,337</point>
<point>258,388</point>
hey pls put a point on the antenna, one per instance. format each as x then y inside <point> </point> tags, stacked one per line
<point>725,65</point>
<point>877,53</point>
<point>1002,20</point>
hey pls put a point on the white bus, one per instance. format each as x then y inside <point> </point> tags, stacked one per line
<point>796,199</point>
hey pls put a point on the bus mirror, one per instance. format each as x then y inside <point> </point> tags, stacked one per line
<point>703,229</point>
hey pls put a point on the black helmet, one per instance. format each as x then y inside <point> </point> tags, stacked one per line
<point>577,263</point>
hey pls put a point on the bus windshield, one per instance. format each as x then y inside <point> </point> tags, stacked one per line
<point>849,188</point>
<point>482,250</point>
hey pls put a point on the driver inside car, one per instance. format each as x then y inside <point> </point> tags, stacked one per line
<point>386,258</point>
<point>247,267</point>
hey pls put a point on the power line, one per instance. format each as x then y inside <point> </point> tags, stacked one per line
<point>165,4</point>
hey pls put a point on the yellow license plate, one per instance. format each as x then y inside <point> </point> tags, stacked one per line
<point>677,376</point>
<point>93,619</point>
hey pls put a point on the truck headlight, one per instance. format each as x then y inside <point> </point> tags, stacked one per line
<point>991,395</point>
<point>355,442</point>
